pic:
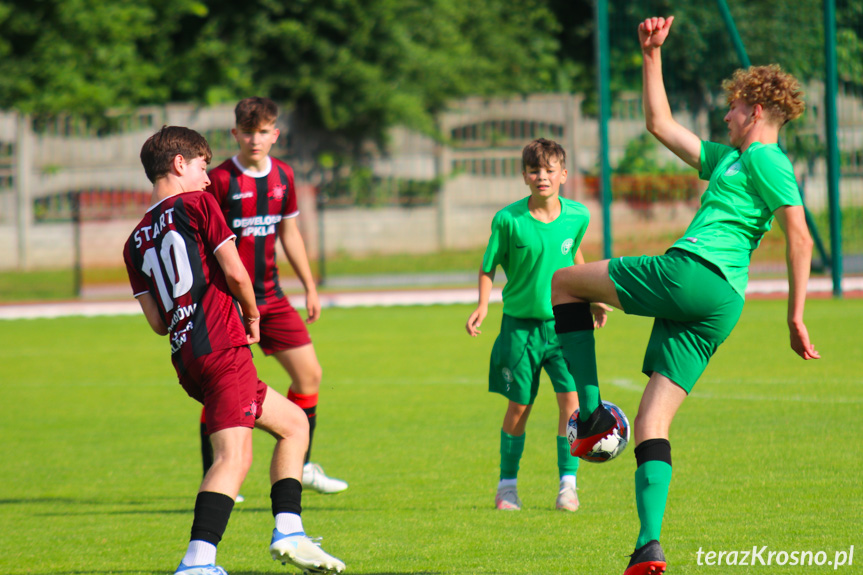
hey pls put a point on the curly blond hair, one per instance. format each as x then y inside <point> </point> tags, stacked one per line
<point>778,92</point>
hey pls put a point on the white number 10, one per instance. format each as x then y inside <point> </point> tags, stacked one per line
<point>181,283</point>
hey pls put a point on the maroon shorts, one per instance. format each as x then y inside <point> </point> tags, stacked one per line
<point>281,327</point>
<point>227,383</point>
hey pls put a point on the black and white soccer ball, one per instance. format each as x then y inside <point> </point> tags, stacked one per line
<point>609,447</point>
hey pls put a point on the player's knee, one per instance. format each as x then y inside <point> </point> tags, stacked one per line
<point>239,460</point>
<point>316,374</point>
<point>290,422</point>
<point>308,382</point>
<point>645,426</point>
<point>559,292</point>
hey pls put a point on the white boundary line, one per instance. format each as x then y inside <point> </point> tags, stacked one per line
<point>367,299</point>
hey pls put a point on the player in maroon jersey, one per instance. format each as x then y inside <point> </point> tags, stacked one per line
<point>186,273</point>
<point>257,196</point>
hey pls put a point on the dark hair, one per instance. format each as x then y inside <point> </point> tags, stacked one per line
<point>161,148</point>
<point>540,152</point>
<point>252,113</point>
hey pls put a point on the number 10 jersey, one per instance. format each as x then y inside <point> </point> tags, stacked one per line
<point>171,256</point>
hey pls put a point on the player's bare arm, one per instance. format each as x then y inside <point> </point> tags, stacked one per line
<point>798,258</point>
<point>295,251</point>
<point>241,287</point>
<point>152,313</point>
<point>486,281</point>
<point>657,111</point>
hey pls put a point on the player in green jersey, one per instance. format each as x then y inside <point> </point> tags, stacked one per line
<point>696,289</point>
<point>530,240</point>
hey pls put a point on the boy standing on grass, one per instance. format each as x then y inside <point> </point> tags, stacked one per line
<point>530,239</point>
<point>696,289</point>
<point>257,196</point>
<point>185,272</point>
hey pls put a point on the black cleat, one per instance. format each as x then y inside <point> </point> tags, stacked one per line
<point>599,425</point>
<point>647,560</point>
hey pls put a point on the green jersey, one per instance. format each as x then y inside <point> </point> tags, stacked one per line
<point>737,208</point>
<point>530,251</point>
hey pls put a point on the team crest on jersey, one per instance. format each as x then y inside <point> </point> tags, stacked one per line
<point>277,192</point>
<point>566,246</point>
<point>733,169</point>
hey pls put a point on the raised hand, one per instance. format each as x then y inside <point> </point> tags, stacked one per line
<point>653,32</point>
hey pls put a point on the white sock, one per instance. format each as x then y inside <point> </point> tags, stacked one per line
<point>567,481</point>
<point>507,483</point>
<point>288,523</point>
<point>200,553</point>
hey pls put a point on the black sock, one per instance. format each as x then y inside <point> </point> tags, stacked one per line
<point>212,511</point>
<point>286,496</point>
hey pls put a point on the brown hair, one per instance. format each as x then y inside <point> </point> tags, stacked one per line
<point>252,113</point>
<point>540,152</point>
<point>160,149</point>
<point>778,92</point>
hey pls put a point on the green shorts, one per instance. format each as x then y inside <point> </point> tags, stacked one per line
<point>522,349</point>
<point>694,305</point>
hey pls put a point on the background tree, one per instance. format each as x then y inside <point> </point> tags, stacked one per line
<point>83,56</point>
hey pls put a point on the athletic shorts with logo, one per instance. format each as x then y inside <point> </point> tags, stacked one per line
<point>522,349</point>
<point>281,327</point>
<point>694,305</point>
<point>227,383</point>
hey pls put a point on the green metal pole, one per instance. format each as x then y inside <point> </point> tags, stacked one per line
<point>744,60</point>
<point>735,35</point>
<point>831,126</point>
<point>602,64</point>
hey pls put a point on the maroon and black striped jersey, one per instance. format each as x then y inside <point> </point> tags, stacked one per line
<point>254,203</point>
<point>171,255</point>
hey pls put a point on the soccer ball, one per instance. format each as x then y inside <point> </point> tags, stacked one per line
<point>610,447</point>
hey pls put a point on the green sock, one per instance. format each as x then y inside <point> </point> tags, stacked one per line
<point>511,448</point>
<point>652,479</point>
<point>579,350</point>
<point>567,464</point>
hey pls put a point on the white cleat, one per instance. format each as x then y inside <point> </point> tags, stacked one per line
<point>302,552</point>
<point>507,499</point>
<point>315,479</point>
<point>567,499</point>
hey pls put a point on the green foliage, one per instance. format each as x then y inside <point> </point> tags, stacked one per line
<point>642,157</point>
<point>351,68</point>
<point>641,178</point>
<point>84,56</point>
<point>355,68</point>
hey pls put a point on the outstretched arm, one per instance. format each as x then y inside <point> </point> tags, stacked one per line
<point>798,258</point>
<point>657,112</point>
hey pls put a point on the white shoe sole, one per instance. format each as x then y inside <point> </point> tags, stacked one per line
<point>291,556</point>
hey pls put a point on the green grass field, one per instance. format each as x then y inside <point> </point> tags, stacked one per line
<point>100,457</point>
